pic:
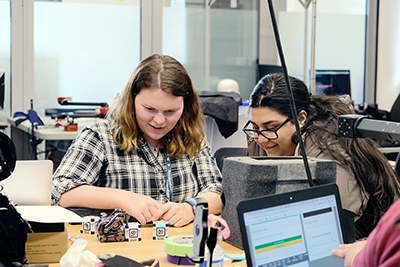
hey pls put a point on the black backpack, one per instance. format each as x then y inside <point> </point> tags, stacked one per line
<point>13,233</point>
<point>13,229</point>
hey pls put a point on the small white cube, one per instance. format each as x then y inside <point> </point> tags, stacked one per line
<point>89,225</point>
<point>133,231</point>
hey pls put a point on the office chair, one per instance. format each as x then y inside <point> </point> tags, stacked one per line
<point>225,152</point>
<point>393,115</point>
<point>373,111</point>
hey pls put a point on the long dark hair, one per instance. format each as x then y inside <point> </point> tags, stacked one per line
<point>371,169</point>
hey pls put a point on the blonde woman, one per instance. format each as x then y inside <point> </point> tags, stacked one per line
<point>149,156</point>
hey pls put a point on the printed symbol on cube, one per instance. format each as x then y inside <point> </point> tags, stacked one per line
<point>132,232</point>
<point>89,225</point>
<point>160,229</point>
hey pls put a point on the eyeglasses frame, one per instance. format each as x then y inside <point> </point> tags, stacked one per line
<point>261,132</point>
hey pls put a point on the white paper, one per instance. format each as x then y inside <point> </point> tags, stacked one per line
<point>48,214</point>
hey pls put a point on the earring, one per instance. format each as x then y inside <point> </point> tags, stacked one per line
<point>295,139</point>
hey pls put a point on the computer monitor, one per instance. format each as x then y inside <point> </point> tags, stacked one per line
<point>2,88</point>
<point>332,82</point>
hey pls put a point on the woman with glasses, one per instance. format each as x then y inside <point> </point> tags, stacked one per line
<point>367,183</point>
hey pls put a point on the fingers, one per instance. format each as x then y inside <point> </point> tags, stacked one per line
<point>177,214</point>
<point>341,251</point>
<point>161,212</point>
<point>348,252</point>
<point>338,253</point>
<point>145,215</point>
<point>181,223</point>
<point>174,219</point>
<point>142,208</point>
<point>140,218</point>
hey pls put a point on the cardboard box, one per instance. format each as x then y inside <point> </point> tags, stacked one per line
<point>49,240</point>
<point>46,247</point>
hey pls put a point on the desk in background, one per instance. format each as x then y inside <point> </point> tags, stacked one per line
<point>142,250</point>
<point>3,125</point>
<point>55,138</point>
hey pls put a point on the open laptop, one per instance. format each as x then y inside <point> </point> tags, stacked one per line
<point>30,183</point>
<point>295,229</point>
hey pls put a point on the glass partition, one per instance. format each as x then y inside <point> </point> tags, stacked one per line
<point>184,37</point>
<point>84,49</point>
<point>340,27</point>
<point>233,35</point>
<point>234,44</point>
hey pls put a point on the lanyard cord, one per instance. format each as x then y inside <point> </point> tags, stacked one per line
<point>168,183</point>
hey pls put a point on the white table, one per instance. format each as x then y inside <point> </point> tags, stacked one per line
<point>21,134</point>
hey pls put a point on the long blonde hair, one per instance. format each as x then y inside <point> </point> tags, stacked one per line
<point>166,73</point>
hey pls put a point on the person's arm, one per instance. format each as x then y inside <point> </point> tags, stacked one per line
<point>81,168</point>
<point>348,252</point>
<point>209,183</point>
<point>214,202</point>
<point>139,206</point>
<point>180,214</point>
<point>381,248</point>
<point>81,165</point>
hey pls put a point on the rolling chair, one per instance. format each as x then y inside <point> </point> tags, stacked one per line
<point>374,112</point>
<point>393,115</point>
<point>225,152</point>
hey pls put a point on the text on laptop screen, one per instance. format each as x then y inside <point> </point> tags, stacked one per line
<point>296,234</point>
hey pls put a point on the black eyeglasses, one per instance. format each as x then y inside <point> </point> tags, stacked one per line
<point>269,133</point>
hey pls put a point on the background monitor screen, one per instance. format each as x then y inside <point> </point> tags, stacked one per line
<point>332,82</point>
<point>267,69</point>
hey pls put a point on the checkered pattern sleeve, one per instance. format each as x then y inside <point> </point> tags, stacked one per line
<point>208,174</point>
<point>80,165</point>
<point>95,159</point>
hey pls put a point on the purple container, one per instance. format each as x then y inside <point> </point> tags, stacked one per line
<point>179,260</point>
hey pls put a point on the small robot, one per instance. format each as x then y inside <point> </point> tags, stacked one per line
<point>112,228</point>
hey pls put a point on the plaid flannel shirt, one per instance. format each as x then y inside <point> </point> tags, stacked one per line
<point>95,159</point>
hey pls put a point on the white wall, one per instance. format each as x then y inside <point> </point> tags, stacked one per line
<point>331,6</point>
<point>340,39</point>
<point>388,74</point>
<point>83,51</point>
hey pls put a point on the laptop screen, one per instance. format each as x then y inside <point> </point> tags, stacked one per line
<point>296,233</point>
<point>30,183</point>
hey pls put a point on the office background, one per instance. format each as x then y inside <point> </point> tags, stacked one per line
<point>87,49</point>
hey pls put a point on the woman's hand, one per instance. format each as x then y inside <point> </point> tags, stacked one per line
<point>348,252</point>
<point>139,206</point>
<point>177,214</point>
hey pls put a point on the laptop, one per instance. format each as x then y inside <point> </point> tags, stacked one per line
<point>296,229</point>
<point>30,183</point>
